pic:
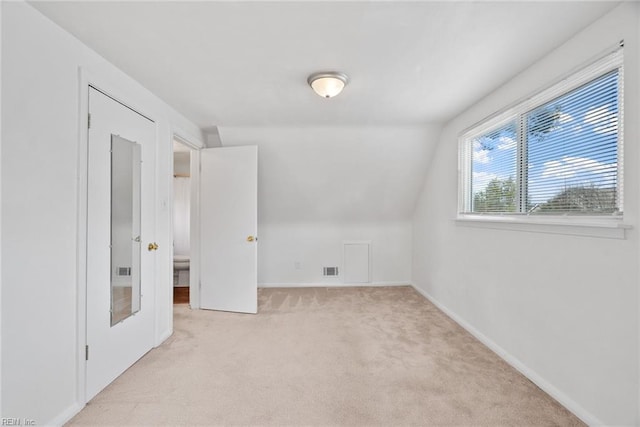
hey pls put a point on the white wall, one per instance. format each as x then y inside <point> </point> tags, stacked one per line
<point>182,163</point>
<point>181,216</point>
<point>291,254</point>
<point>320,186</point>
<point>1,364</point>
<point>563,308</point>
<point>181,202</point>
<point>40,103</point>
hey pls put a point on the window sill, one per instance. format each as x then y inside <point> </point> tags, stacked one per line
<point>607,228</point>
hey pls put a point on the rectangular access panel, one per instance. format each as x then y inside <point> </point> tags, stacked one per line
<point>356,262</point>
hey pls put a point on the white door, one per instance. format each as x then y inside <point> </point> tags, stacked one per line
<point>228,227</point>
<point>120,218</point>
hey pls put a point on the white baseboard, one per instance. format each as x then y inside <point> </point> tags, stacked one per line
<point>330,285</point>
<point>537,379</point>
<point>66,415</point>
<point>163,337</point>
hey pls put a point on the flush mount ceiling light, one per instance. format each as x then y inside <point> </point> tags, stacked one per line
<point>328,84</point>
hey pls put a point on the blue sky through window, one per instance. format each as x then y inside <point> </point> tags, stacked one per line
<point>571,143</point>
<point>494,156</point>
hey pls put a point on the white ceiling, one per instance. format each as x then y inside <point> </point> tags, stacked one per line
<point>246,63</point>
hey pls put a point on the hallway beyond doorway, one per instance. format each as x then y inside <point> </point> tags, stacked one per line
<point>181,295</point>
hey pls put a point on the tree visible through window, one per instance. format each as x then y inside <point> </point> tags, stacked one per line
<point>572,148</point>
<point>562,156</point>
<point>494,170</point>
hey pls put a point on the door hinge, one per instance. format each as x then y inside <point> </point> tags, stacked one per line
<point>89,121</point>
<point>86,352</point>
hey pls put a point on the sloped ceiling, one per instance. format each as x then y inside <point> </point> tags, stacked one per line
<point>331,173</point>
<point>242,67</point>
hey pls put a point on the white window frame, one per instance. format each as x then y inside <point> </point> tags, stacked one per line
<point>612,226</point>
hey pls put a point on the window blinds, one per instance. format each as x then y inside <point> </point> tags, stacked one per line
<point>572,150</point>
<point>557,152</point>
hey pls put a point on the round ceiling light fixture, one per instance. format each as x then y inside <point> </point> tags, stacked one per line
<point>328,84</point>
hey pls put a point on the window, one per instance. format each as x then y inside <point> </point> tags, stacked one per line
<point>557,153</point>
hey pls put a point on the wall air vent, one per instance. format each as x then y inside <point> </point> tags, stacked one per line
<point>329,271</point>
<point>124,271</point>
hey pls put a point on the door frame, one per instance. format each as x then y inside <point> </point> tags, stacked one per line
<point>86,80</point>
<point>194,211</point>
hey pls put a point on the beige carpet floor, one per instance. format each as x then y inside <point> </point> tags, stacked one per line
<point>318,356</point>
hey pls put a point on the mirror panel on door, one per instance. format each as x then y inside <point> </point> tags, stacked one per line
<point>125,228</point>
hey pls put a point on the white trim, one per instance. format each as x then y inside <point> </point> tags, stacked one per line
<point>155,276</point>
<point>637,120</point>
<point>164,337</point>
<point>1,411</point>
<point>332,285</point>
<point>82,221</point>
<point>194,250</point>
<point>194,144</point>
<point>607,228</point>
<point>183,137</point>
<point>65,416</point>
<point>532,375</point>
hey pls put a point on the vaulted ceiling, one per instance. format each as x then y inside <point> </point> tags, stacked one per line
<point>241,68</point>
<point>236,63</point>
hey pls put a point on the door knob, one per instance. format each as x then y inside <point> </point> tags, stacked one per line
<point>251,239</point>
<point>153,246</point>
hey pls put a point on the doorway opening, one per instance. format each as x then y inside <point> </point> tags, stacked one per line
<point>181,222</point>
